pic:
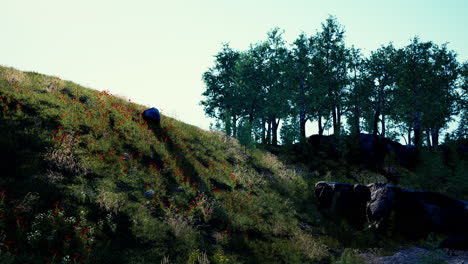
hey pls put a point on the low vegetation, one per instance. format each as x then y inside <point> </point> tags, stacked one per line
<point>86,180</point>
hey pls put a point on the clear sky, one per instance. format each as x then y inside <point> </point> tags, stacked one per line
<point>154,52</point>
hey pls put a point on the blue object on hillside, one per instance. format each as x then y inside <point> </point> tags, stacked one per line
<point>152,114</point>
<point>149,193</point>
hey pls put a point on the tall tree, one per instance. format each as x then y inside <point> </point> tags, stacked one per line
<point>319,95</point>
<point>332,53</point>
<point>426,92</point>
<point>382,70</point>
<point>251,81</point>
<point>462,130</point>
<point>414,71</point>
<point>277,90</point>
<point>359,92</point>
<point>441,92</point>
<point>301,72</point>
<point>221,94</point>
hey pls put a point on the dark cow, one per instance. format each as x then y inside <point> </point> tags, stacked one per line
<point>326,145</point>
<point>348,201</point>
<point>366,149</point>
<point>371,150</point>
<point>391,209</point>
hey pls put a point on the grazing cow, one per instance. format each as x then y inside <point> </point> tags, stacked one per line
<point>388,208</point>
<point>325,144</point>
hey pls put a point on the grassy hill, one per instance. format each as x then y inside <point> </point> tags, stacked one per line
<point>84,179</point>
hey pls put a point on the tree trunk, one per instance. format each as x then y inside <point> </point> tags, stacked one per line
<point>338,117</point>
<point>268,141</point>
<point>320,127</point>
<point>435,138</point>
<point>335,127</point>
<point>376,122</point>
<point>263,131</point>
<point>275,132</point>
<point>302,119</point>
<point>357,126</point>
<point>234,126</point>
<point>417,131</point>
<point>409,135</point>
<point>428,139</point>
<point>383,125</point>
<point>303,129</point>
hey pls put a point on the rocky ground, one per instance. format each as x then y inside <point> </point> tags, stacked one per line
<point>417,255</point>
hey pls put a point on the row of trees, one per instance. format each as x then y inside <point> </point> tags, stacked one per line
<point>413,91</point>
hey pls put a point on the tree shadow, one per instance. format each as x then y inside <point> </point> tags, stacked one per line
<point>182,162</point>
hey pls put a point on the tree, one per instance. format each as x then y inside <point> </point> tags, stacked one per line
<point>426,92</point>
<point>359,92</point>
<point>277,90</point>
<point>290,132</point>
<point>222,93</point>
<point>441,92</point>
<point>415,66</point>
<point>251,80</point>
<point>245,133</point>
<point>332,54</point>
<point>301,78</point>
<point>382,70</point>
<point>462,104</point>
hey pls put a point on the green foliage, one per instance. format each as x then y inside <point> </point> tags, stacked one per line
<point>349,257</point>
<point>440,172</point>
<point>433,257</point>
<point>419,87</point>
<point>245,134</point>
<point>290,132</point>
<point>432,174</point>
<point>457,183</point>
<point>98,158</point>
<point>134,192</point>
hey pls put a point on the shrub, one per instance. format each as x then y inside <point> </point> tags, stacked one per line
<point>180,225</point>
<point>433,257</point>
<point>310,246</point>
<point>290,131</point>
<point>62,160</point>
<point>53,236</point>
<point>111,201</point>
<point>197,257</point>
<point>220,258</point>
<point>244,134</point>
<point>349,257</point>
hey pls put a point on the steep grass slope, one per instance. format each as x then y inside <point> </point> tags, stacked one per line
<point>84,179</point>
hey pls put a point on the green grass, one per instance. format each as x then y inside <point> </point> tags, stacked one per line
<point>93,154</point>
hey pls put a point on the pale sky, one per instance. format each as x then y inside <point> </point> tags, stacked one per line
<point>154,52</point>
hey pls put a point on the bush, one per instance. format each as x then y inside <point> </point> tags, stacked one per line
<point>290,131</point>
<point>111,201</point>
<point>349,257</point>
<point>244,135</point>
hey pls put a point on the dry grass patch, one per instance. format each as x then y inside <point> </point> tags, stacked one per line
<point>54,84</point>
<point>12,75</point>
<point>63,160</point>
<point>248,176</point>
<point>181,225</point>
<point>111,201</point>
<point>311,247</point>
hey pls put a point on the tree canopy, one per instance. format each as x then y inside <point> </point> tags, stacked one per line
<point>413,91</point>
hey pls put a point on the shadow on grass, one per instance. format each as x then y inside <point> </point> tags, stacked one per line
<point>188,169</point>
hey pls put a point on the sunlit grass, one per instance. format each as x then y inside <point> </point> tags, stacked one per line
<point>150,193</point>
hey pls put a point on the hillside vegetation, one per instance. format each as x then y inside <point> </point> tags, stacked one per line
<point>84,179</point>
